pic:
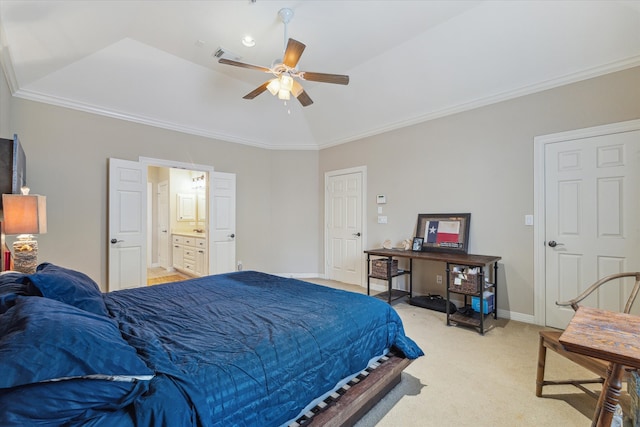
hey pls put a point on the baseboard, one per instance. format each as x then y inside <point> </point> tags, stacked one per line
<point>379,287</point>
<point>300,275</point>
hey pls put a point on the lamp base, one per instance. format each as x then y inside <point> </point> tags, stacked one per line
<point>25,255</point>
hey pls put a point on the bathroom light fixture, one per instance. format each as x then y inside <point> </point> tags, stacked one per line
<point>198,182</point>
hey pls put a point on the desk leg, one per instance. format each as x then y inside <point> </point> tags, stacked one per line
<point>495,290</point>
<point>368,274</point>
<point>410,278</point>
<point>389,263</point>
<point>481,297</point>
<point>448,295</point>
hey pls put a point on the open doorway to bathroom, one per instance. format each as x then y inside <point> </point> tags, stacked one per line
<point>177,224</point>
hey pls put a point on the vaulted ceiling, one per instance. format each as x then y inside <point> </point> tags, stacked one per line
<point>409,61</point>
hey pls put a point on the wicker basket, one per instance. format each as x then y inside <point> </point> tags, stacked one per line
<point>380,268</point>
<point>461,280</point>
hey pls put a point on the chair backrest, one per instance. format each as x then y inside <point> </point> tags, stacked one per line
<point>632,296</point>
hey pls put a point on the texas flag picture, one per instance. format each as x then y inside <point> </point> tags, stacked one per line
<point>442,232</point>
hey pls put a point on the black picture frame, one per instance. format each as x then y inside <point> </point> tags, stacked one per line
<point>417,244</point>
<point>448,232</point>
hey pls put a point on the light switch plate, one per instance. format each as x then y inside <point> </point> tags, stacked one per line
<point>382,219</point>
<point>528,220</point>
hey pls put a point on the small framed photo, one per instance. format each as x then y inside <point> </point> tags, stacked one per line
<point>417,244</point>
<point>444,232</point>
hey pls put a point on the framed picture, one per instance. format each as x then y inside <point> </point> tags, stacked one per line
<point>417,244</point>
<point>444,232</point>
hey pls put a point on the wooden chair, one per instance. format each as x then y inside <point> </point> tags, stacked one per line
<point>550,340</point>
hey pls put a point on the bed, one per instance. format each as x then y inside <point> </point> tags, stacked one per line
<point>244,348</point>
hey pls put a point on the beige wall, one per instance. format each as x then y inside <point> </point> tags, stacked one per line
<point>67,154</point>
<point>480,161</point>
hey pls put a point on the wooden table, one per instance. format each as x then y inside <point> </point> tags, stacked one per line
<point>610,336</point>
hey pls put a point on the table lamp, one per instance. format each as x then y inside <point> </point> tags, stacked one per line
<point>25,215</point>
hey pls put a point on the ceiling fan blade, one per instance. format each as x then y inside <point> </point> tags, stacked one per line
<point>298,91</point>
<point>243,65</point>
<point>257,91</point>
<point>304,99</point>
<point>338,79</point>
<point>293,52</point>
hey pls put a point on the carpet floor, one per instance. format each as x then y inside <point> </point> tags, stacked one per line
<point>468,379</point>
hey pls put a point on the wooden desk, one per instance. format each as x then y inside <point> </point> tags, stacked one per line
<point>609,336</point>
<point>469,260</point>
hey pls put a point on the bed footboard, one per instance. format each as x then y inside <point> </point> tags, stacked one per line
<point>347,405</point>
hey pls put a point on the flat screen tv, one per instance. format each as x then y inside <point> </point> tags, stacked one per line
<point>13,166</point>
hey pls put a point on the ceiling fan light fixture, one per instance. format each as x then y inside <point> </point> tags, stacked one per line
<point>286,82</point>
<point>284,94</point>
<point>284,70</point>
<point>274,86</point>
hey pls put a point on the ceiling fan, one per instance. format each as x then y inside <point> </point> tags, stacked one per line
<point>286,74</point>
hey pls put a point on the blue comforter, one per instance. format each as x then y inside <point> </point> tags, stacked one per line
<point>248,348</point>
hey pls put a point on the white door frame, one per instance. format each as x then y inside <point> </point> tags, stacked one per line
<point>363,220</point>
<point>149,161</point>
<point>149,224</point>
<point>539,208</point>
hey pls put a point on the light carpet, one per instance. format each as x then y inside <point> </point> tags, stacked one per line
<point>467,379</point>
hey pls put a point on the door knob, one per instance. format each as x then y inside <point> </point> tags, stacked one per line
<point>553,244</point>
<point>114,241</point>
<point>232,235</point>
<point>356,234</point>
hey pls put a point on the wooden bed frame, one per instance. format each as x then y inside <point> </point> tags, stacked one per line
<point>348,404</point>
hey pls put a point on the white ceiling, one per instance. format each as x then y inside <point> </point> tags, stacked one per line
<point>408,61</point>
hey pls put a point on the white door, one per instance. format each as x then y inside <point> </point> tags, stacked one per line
<point>222,258</point>
<point>127,224</point>
<point>344,210</point>
<point>592,219</point>
<point>163,224</point>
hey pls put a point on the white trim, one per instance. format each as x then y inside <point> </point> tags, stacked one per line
<point>363,219</point>
<point>613,67</point>
<point>300,276</point>
<point>32,95</point>
<point>149,161</point>
<point>7,64</point>
<point>518,317</point>
<point>149,222</point>
<point>539,208</point>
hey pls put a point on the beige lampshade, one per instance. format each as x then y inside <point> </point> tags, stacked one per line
<point>24,214</point>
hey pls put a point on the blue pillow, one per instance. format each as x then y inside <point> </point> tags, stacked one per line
<point>12,277</point>
<point>13,285</point>
<point>70,402</point>
<point>45,340</point>
<point>69,286</point>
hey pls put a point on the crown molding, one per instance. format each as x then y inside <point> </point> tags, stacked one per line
<point>613,67</point>
<point>480,102</point>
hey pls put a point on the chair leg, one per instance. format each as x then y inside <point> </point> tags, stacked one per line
<point>542,358</point>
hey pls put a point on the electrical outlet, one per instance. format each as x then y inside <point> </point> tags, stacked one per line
<point>439,279</point>
<point>382,219</point>
<point>239,265</point>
